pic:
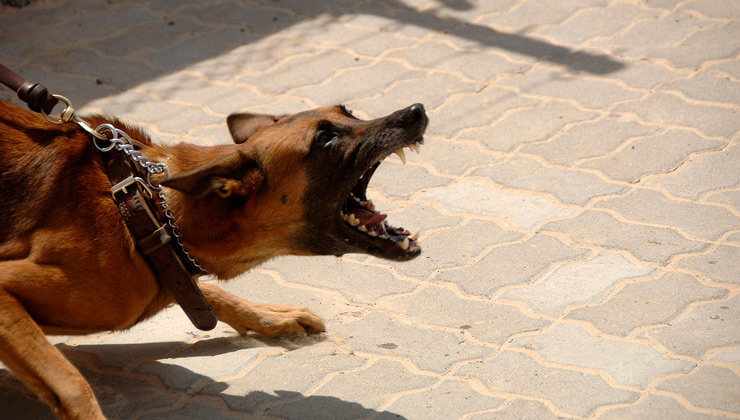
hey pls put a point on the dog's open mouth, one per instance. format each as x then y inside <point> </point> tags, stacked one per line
<point>359,214</point>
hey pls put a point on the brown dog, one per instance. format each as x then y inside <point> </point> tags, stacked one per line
<point>68,265</point>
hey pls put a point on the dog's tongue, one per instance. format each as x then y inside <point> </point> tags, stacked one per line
<point>369,218</point>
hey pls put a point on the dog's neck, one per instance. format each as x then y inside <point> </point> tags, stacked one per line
<point>207,225</point>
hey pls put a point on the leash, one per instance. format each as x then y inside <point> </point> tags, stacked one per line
<point>152,226</point>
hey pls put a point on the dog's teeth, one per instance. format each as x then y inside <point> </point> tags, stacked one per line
<point>368,205</point>
<point>362,228</point>
<point>415,236</point>
<point>400,154</point>
<point>405,244</point>
<point>353,220</point>
<point>372,233</point>
<point>414,147</point>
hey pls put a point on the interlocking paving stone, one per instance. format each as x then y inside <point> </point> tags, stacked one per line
<point>730,355</point>
<point>187,369</point>
<point>282,376</point>
<point>647,243</point>
<point>193,410</point>
<point>644,74</point>
<point>692,53</point>
<point>592,93</point>
<point>731,198</point>
<point>507,265</point>
<point>356,285</point>
<point>515,210</point>
<point>450,400</point>
<point>729,66</point>
<point>714,9</point>
<point>519,409</point>
<point>402,181</point>
<point>707,87</point>
<point>657,301</point>
<point>475,110</point>
<point>553,384</point>
<point>416,216</point>
<point>576,283</point>
<point>361,83</point>
<point>654,406</point>
<point>307,70</point>
<point>472,64</point>
<point>468,242</point>
<point>428,349</point>
<point>703,221</point>
<point>704,173</point>
<point>542,121</point>
<point>381,381</point>
<point>402,93</point>
<point>489,322</point>
<point>708,387</point>
<point>522,16</point>
<point>630,364</point>
<point>168,333</point>
<point>572,187</point>
<point>722,264</point>
<point>596,22</point>
<point>668,109</point>
<point>454,157</point>
<point>588,139</point>
<point>668,150</point>
<point>703,328</point>
<point>663,32</point>
<point>120,394</point>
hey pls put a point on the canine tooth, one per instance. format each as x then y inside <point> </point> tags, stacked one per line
<point>368,205</point>
<point>415,147</point>
<point>353,220</point>
<point>415,236</point>
<point>362,228</point>
<point>400,154</point>
<point>405,244</point>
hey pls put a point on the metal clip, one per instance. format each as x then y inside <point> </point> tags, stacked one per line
<point>131,180</point>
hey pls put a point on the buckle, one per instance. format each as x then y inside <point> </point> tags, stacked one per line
<point>128,182</point>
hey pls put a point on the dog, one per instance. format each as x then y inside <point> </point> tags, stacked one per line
<point>290,184</point>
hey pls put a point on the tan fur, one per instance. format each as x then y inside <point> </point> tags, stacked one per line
<point>69,265</point>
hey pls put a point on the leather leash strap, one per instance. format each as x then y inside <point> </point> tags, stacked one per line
<point>156,242</point>
<point>35,95</point>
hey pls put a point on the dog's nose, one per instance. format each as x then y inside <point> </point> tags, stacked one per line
<point>417,113</point>
<point>417,110</point>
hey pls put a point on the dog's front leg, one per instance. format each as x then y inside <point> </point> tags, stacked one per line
<point>269,320</point>
<point>41,366</point>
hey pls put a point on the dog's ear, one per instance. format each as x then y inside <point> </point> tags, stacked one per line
<point>242,126</point>
<point>236,174</point>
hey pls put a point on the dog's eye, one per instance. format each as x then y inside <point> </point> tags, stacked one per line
<point>325,138</point>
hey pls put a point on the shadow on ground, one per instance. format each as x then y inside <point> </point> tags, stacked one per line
<point>123,393</point>
<point>166,40</point>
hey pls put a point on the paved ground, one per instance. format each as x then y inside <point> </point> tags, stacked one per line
<point>578,195</point>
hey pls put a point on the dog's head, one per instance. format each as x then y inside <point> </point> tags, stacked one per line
<point>306,176</point>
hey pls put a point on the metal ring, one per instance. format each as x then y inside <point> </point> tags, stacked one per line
<point>66,115</point>
<point>149,174</point>
<point>100,129</point>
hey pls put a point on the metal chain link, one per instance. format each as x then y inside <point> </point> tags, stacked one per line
<point>121,141</point>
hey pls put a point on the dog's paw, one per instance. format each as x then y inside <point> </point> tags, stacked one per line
<point>277,320</point>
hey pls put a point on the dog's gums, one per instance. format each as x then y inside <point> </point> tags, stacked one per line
<point>359,213</point>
